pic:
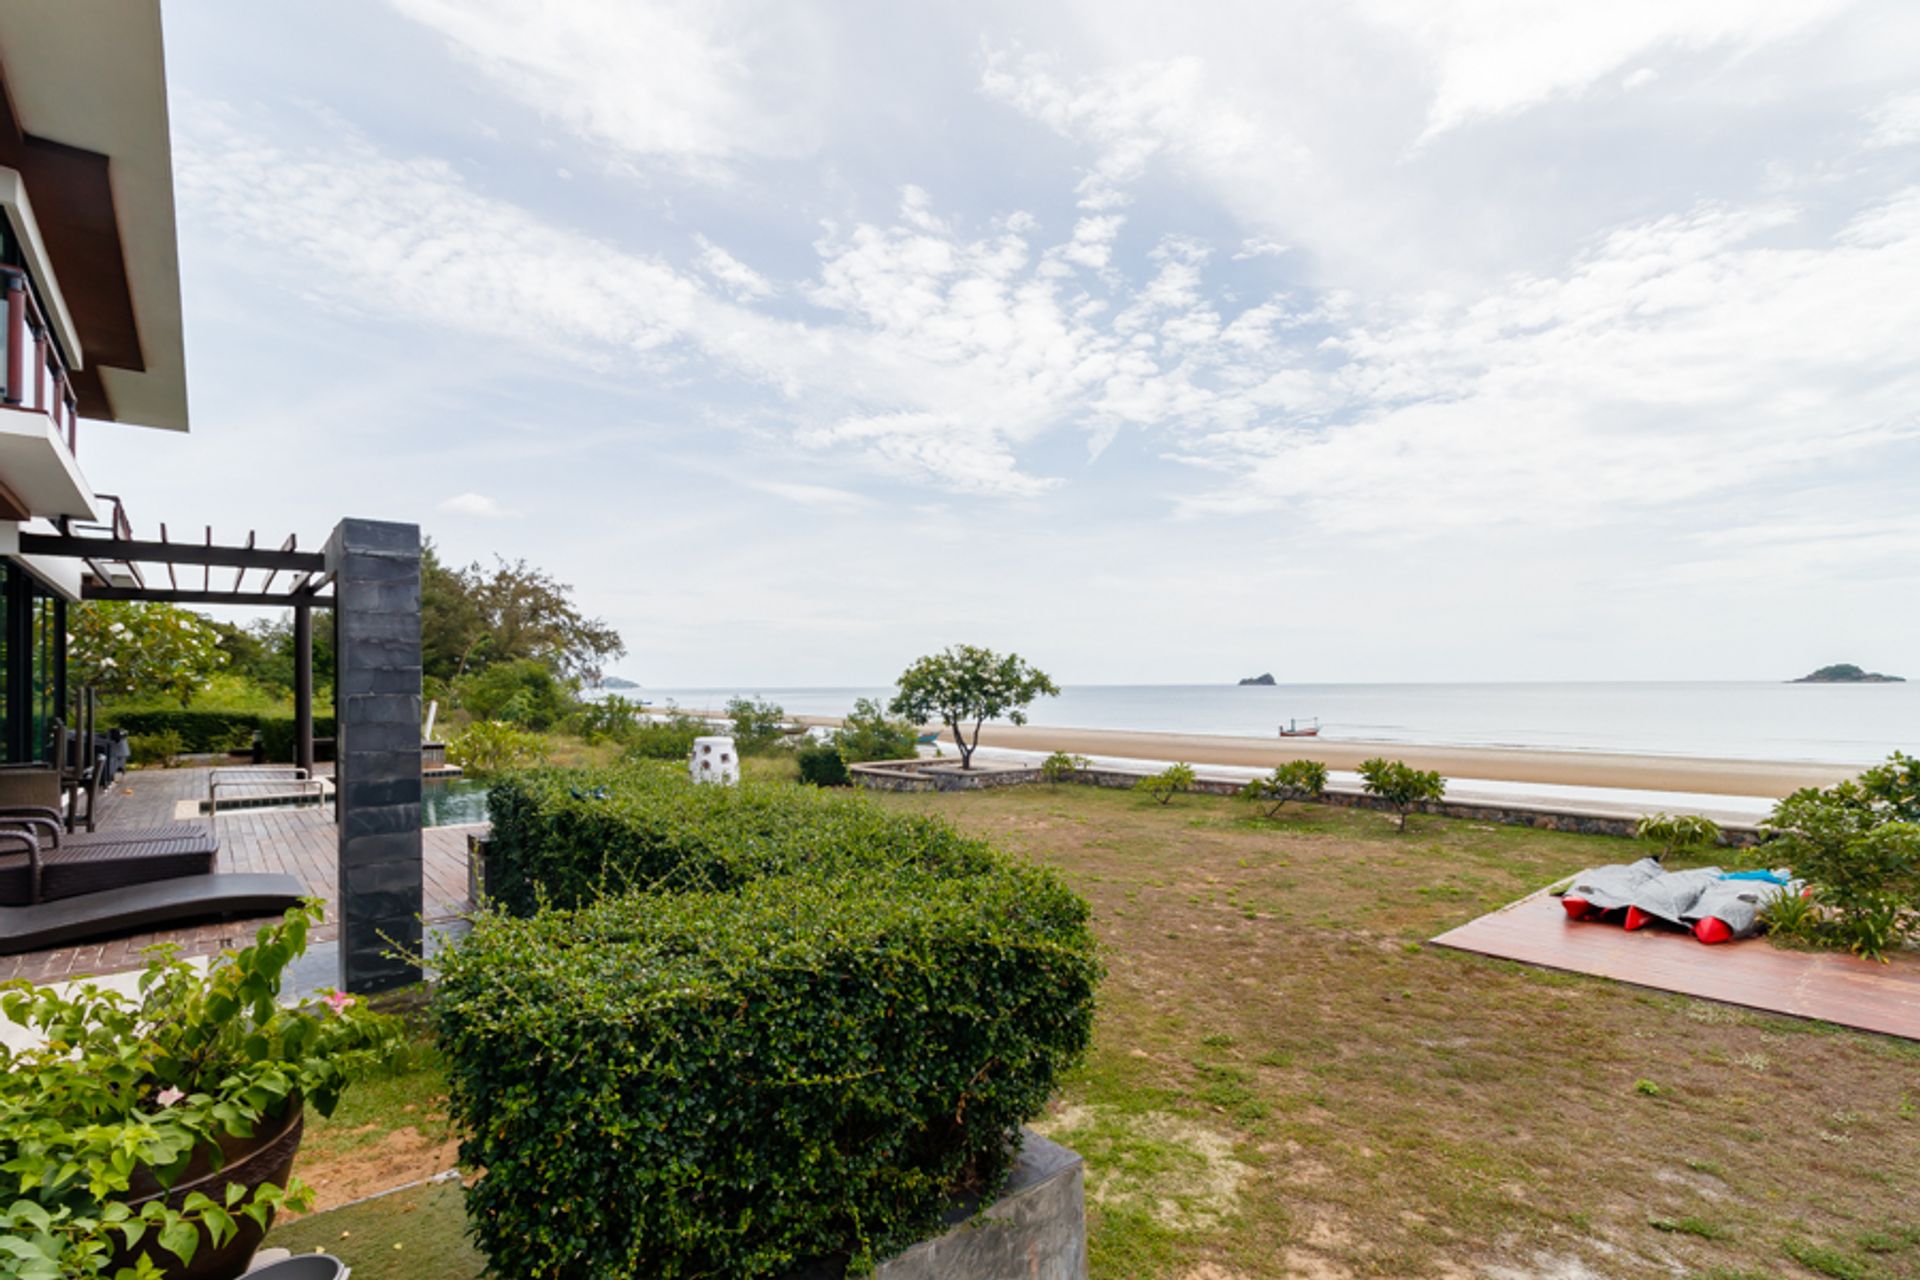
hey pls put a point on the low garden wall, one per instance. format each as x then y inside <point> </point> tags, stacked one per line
<point>911,775</point>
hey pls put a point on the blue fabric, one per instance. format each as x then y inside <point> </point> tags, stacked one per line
<point>1771,877</point>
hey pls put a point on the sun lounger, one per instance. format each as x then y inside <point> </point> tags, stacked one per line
<point>47,865</point>
<point>146,906</point>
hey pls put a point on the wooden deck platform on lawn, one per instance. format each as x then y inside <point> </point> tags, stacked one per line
<point>301,841</point>
<point>1841,989</point>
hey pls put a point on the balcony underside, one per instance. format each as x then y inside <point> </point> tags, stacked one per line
<point>38,476</point>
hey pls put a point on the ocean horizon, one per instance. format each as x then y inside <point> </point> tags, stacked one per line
<point>1741,720</point>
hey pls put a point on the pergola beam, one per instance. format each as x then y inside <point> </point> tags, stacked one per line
<point>170,553</point>
<point>267,600</point>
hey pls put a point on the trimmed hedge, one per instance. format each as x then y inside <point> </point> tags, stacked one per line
<point>206,731</point>
<point>816,1022</point>
<point>564,838</point>
<point>822,765</point>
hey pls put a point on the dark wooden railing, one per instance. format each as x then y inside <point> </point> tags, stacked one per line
<point>36,375</point>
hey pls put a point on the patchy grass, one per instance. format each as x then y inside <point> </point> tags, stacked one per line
<point>388,1131</point>
<point>416,1234</point>
<point>1273,1024</point>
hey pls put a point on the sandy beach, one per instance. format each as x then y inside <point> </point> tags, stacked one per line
<point>1492,764</point>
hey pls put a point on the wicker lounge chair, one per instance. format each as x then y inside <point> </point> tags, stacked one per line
<point>38,863</point>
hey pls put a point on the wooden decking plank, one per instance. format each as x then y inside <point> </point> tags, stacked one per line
<point>301,842</point>
<point>1841,989</point>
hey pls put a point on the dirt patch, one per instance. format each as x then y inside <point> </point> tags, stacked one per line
<point>400,1157</point>
<point>1181,1174</point>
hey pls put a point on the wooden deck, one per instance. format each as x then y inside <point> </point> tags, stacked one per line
<point>1841,989</point>
<point>302,842</point>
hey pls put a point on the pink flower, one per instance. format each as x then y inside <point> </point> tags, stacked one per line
<point>168,1096</point>
<point>339,1001</point>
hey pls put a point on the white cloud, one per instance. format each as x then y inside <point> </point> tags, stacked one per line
<point>410,237</point>
<point>696,83</point>
<point>810,495</point>
<point>1673,360</point>
<point>1133,114</point>
<point>1680,359</point>
<point>736,275</point>
<point>1259,247</point>
<point>1896,122</point>
<point>1492,58</point>
<point>473,504</point>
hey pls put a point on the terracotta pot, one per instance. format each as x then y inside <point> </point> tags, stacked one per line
<point>265,1157</point>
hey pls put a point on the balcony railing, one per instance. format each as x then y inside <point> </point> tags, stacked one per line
<point>36,376</point>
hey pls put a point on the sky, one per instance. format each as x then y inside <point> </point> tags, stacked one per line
<point>1375,341</point>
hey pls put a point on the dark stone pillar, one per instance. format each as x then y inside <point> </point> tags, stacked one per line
<point>303,686</point>
<point>376,600</point>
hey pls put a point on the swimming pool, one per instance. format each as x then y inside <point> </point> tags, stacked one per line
<point>452,802</point>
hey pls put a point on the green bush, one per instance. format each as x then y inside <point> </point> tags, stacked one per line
<point>822,765</point>
<point>276,733</point>
<point>818,1020</point>
<point>1060,766</point>
<point>1168,783</point>
<point>488,747</point>
<point>523,692</point>
<point>1294,780</point>
<point>154,748</point>
<point>200,732</point>
<point>669,739</point>
<point>565,837</point>
<point>610,719</point>
<point>756,724</point>
<point>1403,787</point>
<point>869,733</point>
<point>1860,855</point>
<point>1679,833</point>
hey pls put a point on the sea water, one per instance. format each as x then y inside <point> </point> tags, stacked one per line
<point>1747,720</point>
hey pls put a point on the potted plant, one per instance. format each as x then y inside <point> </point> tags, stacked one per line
<point>153,1135</point>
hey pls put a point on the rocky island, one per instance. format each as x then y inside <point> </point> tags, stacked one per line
<point>1843,673</point>
<point>1264,678</point>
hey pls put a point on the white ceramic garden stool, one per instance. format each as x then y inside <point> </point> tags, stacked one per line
<point>714,760</point>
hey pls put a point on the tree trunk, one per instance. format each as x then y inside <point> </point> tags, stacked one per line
<point>960,741</point>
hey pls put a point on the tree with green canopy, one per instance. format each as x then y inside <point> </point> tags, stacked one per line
<point>123,649</point>
<point>965,684</point>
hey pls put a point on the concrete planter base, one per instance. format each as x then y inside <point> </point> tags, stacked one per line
<point>1036,1230</point>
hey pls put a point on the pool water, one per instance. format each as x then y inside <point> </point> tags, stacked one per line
<point>452,802</point>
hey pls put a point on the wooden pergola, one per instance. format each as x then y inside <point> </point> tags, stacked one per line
<point>368,578</point>
<point>122,567</point>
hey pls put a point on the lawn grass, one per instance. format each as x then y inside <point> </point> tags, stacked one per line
<point>415,1234</point>
<point>1287,1080</point>
<point>389,1130</point>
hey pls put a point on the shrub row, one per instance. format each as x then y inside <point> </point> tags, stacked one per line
<point>817,1021</point>
<point>206,730</point>
<point>566,837</point>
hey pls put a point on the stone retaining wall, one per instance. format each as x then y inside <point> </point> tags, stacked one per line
<point>914,775</point>
<point>1035,1230</point>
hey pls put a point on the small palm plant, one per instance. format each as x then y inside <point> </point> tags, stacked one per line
<point>1678,833</point>
<point>1168,783</point>
<point>1401,786</point>
<point>1294,780</point>
<point>1060,767</point>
